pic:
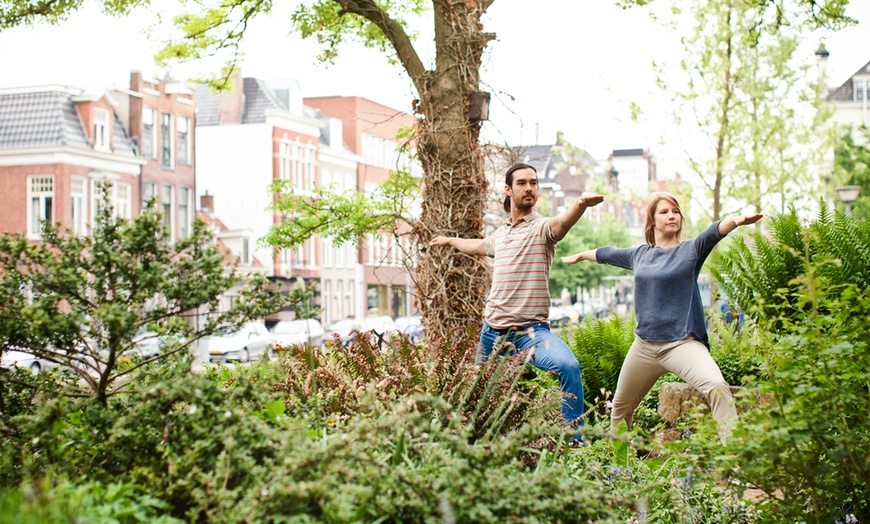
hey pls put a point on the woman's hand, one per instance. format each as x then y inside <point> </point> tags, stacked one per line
<point>748,219</point>
<point>584,255</point>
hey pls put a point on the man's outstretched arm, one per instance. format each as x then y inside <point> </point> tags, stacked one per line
<point>564,221</point>
<point>469,246</point>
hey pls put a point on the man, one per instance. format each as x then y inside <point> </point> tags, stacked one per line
<point>518,306</point>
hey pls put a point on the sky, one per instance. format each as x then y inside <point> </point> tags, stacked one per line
<point>567,65</point>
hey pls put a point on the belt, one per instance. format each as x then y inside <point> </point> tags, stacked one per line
<point>514,329</point>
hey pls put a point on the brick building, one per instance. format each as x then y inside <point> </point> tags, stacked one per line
<point>369,130</point>
<point>56,144</point>
<point>158,115</point>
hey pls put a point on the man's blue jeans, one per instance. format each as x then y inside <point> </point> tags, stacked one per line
<point>551,354</point>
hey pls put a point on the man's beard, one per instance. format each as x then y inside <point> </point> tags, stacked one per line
<point>522,205</point>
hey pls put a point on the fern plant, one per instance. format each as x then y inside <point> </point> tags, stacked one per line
<point>759,273</point>
<point>491,399</point>
<point>600,346</point>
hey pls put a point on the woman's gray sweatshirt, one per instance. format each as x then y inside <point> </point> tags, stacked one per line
<point>667,301</point>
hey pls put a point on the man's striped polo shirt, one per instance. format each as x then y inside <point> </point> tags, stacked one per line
<point>522,254</point>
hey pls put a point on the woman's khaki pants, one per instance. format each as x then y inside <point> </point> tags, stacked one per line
<point>687,358</point>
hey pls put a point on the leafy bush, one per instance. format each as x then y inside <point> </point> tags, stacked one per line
<point>811,443</point>
<point>492,398</point>
<point>760,277</point>
<point>91,502</point>
<point>600,346</point>
<point>240,445</point>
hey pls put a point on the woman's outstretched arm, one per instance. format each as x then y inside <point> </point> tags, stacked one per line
<point>727,225</point>
<point>584,255</point>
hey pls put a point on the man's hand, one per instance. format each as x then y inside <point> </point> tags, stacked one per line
<point>589,200</point>
<point>440,241</point>
<point>564,221</point>
<point>469,246</point>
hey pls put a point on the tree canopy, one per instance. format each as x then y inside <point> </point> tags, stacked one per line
<point>81,301</point>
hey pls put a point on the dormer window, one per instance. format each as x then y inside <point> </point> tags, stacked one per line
<point>149,133</point>
<point>860,88</point>
<point>101,129</point>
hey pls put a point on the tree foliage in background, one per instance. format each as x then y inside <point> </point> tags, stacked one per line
<point>748,92</point>
<point>451,289</point>
<point>852,168</point>
<point>80,301</point>
<point>584,236</point>
<point>447,135</point>
<point>761,274</point>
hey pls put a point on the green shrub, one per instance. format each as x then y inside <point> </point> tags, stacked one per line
<point>600,346</point>
<point>92,502</point>
<point>761,276</point>
<point>811,443</point>
<point>493,398</point>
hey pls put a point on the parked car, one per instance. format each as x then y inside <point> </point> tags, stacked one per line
<point>342,332</point>
<point>251,342</point>
<point>381,325</point>
<point>411,327</point>
<point>558,316</point>
<point>289,332</point>
<point>20,358</point>
<point>147,345</point>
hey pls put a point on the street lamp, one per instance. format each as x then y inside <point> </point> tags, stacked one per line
<point>847,195</point>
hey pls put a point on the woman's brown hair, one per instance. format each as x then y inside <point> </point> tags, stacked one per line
<point>649,222</point>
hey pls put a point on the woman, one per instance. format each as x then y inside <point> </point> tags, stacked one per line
<point>671,333</point>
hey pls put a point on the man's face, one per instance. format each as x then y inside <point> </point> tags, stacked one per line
<point>524,191</point>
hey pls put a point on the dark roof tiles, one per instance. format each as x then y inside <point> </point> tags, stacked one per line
<point>49,118</point>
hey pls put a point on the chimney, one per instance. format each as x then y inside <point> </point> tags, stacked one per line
<point>232,99</point>
<point>335,133</point>
<point>822,55</point>
<point>206,203</point>
<point>135,81</point>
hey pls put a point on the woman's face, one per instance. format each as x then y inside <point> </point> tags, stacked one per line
<point>668,219</point>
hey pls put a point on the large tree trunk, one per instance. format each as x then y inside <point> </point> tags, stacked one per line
<point>452,285</point>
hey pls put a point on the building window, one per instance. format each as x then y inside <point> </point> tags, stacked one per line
<point>312,258</point>
<point>370,249</point>
<point>299,255</point>
<point>379,151</point>
<point>40,210</point>
<point>101,129</point>
<point>351,255</point>
<point>183,140</point>
<point>350,290</point>
<point>297,167</point>
<point>166,140</point>
<point>79,204</point>
<point>149,131</point>
<point>149,191</point>
<point>123,201</point>
<point>338,310</point>
<point>328,249</point>
<point>166,209</point>
<point>861,89</point>
<point>327,302</point>
<point>308,158</point>
<point>284,161</point>
<point>184,218</point>
<point>372,297</point>
<point>338,255</point>
<point>246,251</point>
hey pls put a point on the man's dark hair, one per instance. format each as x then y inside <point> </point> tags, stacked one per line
<point>509,181</point>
